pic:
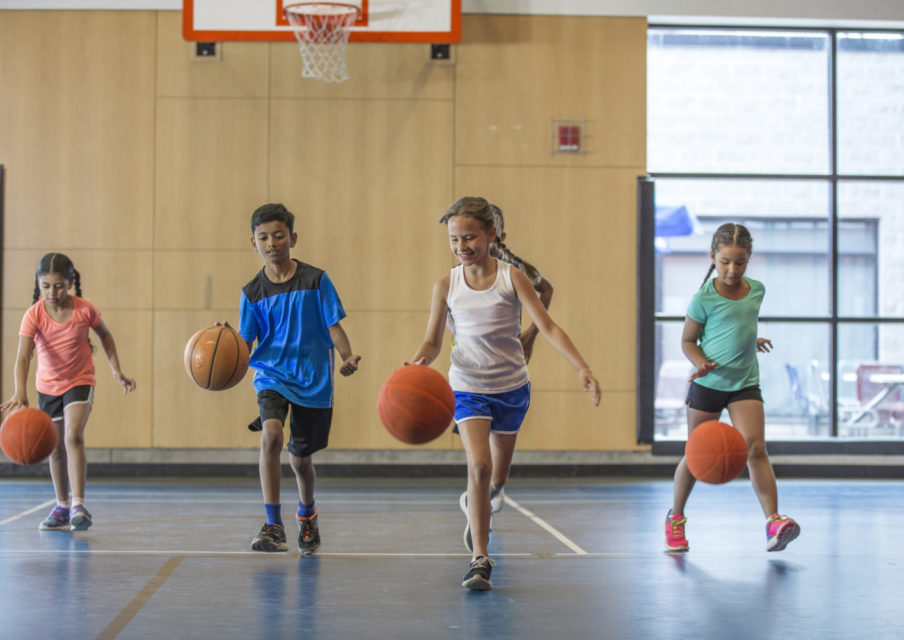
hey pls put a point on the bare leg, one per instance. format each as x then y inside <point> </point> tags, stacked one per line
<point>269,466</point>
<point>75,417</point>
<point>502,448</point>
<point>59,465</point>
<point>475,436</point>
<point>305,476</point>
<point>684,480</point>
<point>747,416</point>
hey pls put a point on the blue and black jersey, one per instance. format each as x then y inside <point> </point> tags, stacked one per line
<point>290,322</point>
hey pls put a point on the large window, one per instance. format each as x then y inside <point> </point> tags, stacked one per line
<point>798,135</point>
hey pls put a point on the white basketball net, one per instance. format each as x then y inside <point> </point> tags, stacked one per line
<point>322,31</point>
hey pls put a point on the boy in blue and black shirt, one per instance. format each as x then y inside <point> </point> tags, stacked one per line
<point>292,311</point>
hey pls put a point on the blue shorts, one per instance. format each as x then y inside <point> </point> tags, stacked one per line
<point>505,410</point>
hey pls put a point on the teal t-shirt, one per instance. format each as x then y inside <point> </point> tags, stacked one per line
<point>729,335</point>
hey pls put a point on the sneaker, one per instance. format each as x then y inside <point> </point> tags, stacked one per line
<point>308,534</point>
<point>780,530</point>
<point>272,537</point>
<point>478,576</point>
<point>674,533</point>
<point>256,425</point>
<point>497,501</point>
<point>57,519</point>
<point>79,518</point>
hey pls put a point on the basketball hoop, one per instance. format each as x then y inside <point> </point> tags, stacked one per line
<point>322,30</point>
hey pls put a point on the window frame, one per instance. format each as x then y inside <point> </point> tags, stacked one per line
<point>647,318</point>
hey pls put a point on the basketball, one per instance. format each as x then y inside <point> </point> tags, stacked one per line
<point>416,404</point>
<point>28,436</point>
<point>216,358</point>
<point>715,452</point>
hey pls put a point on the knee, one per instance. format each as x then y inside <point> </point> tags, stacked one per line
<point>480,471</point>
<point>271,442</point>
<point>74,439</point>
<point>302,466</point>
<point>756,450</point>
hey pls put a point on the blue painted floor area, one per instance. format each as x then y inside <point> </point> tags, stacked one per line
<point>575,559</point>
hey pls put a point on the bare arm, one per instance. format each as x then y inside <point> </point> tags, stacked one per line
<point>109,345</point>
<point>544,289</point>
<point>344,347</point>
<point>23,362</point>
<point>433,339</point>
<point>690,347</point>
<point>554,334</point>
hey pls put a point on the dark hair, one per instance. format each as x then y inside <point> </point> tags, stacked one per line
<point>729,234</point>
<point>60,264</point>
<point>271,212</point>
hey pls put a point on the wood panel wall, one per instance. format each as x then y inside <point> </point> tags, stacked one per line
<point>144,165</point>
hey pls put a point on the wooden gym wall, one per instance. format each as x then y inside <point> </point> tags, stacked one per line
<point>144,166</point>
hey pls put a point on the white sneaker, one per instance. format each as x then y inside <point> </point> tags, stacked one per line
<point>497,502</point>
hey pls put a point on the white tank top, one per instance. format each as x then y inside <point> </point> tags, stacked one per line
<point>486,354</point>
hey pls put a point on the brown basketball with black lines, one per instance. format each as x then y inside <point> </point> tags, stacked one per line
<point>216,358</point>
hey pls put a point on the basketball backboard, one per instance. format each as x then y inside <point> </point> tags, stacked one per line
<point>431,21</point>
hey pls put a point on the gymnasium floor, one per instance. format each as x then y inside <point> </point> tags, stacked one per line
<point>575,559</point>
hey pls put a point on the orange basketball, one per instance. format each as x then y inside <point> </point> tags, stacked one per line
<point>216,358</point>
<point>715,452</point>
<point>416,404</point>
<point>28,436</point>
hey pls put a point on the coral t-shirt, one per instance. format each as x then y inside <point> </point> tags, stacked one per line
<point>64,354</point>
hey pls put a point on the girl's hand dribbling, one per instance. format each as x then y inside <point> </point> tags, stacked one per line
<point>14,404</point>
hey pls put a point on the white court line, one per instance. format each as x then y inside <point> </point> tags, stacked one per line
<point>43,505</point>
<point>249,554</point>
<point>558,535</point>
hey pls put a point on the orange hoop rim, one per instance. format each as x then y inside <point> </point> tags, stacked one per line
<point>341,10</point>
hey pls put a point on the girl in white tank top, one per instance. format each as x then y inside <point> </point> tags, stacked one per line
<point>480,300</point>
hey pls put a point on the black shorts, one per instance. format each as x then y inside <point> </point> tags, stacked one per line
<point>55,406</point>
<point>712,400</point>
<point>309,428</point>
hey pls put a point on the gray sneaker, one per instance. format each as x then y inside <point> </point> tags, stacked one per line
<point>79,518</point>
<point>478,576</point>
<point>272,537</point>
<point>308,534</point>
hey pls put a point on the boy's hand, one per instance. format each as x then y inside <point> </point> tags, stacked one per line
<point>350,365</point>
<point>763,345</point>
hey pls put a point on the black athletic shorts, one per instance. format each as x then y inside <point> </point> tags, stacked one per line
<point>309,428</point>
<point>54,406</point>
<point>712,400</point>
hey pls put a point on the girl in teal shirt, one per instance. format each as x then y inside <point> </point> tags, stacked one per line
<point>720,340</point>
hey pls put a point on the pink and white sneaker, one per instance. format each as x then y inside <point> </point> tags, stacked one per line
<point>674,533</point>
<point>780,530</point>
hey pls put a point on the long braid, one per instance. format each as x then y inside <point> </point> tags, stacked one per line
<point>505,254</point>
<point>727,235</point>
<point>78,283</point>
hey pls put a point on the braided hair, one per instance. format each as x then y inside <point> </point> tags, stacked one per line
<point>501,251</point>
<point>727,235</point>
<point>61,264</point>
